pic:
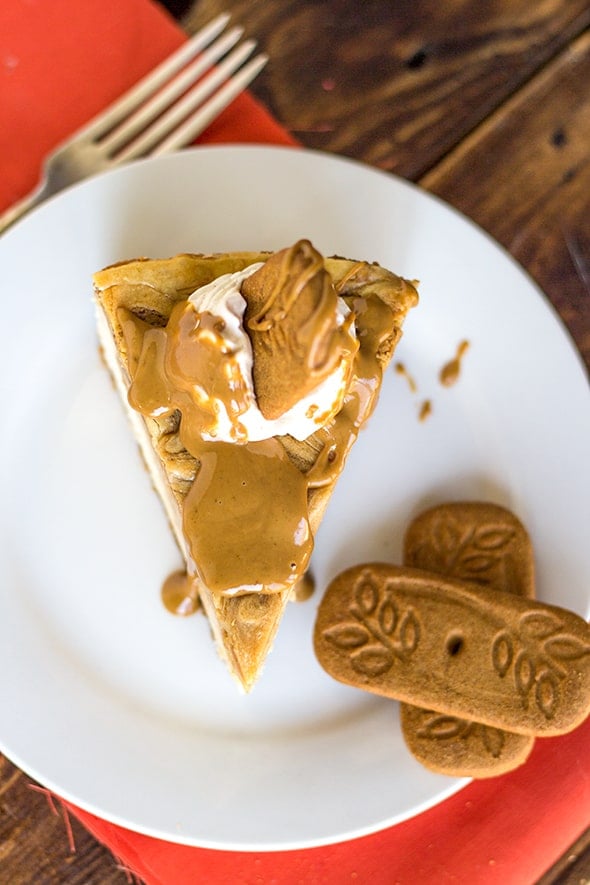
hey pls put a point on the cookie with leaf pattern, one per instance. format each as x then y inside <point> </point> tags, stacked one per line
<point>456,648</point>
<point>474,541</point>
<point>487,544</point>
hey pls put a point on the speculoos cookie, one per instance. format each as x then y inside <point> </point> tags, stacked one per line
<point>485,543</point>
<point>456,648</point>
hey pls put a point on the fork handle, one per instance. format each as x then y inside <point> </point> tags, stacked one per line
<point>17,210</point>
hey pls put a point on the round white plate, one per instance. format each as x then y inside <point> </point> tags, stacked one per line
<point>126,710</point>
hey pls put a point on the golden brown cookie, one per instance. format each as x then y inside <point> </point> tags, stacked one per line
<point>292,315</point>
<point>473,541</point>
<point>485,543</point>
<point>456,648</point>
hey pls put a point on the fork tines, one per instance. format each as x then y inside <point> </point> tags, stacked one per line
<point>170,106</point>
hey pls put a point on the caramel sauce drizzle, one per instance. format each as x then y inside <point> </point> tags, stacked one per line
<point>317,340</point>
<point>304,588</point>
<point>180,594</point>
<point>286,290</point>
<point>449,374</point>
<point>245,516</point>
<point>425,410</point>
<point>373,327</point>
<point>401,370</point>
<point>186,365</point>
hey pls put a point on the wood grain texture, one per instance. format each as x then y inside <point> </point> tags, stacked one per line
<point>574,867</point>
<point>524,176</point>
<point>41,844</point>
<point>396,84</point>
<point>485,103</point>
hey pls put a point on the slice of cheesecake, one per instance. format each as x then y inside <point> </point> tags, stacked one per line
<point>247,377</point>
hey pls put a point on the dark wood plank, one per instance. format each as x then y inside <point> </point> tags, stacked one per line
<point>41,844</point>
<point>574,867</point>
<point>396,84</point>
<point>524,175</point>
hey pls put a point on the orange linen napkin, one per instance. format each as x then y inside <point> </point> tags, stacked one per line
<point>60,63</point>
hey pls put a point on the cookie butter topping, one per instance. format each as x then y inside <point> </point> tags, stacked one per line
<point>246,513</point>
<point>293,310</point>
<point>374,324</point>
<point>221,305</point>
<point>241,393</point>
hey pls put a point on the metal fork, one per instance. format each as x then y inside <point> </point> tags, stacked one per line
<point>166,110</point>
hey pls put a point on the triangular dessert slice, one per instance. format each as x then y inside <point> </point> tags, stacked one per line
<point>247,377</point>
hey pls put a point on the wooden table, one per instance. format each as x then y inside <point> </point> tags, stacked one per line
<point>486,104</point>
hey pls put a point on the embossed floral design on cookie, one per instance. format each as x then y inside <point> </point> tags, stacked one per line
<point>461,747</point>
<point>447,664</point>
<point>438,726</point>
<point>473,541</point>
<point>378,631</point>
<point>485,543</point>
<point>535,657</point>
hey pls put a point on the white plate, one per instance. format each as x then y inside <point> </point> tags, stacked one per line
<point>125,710</point>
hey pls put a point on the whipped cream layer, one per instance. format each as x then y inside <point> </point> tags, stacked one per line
<point>222,299</point>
